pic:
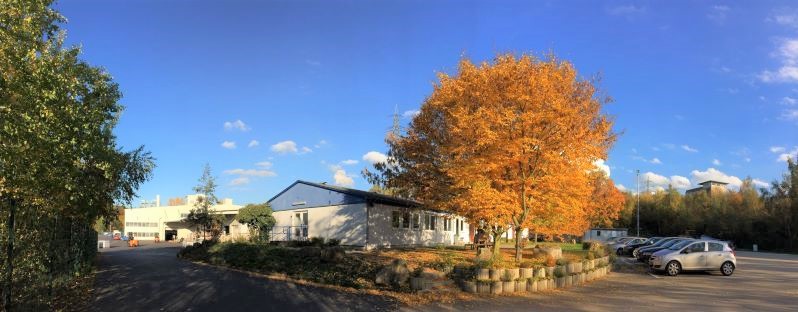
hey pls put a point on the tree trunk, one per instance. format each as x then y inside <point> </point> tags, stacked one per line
<point>9,255</point>
<point>518,247</point>
<point>496,244</point>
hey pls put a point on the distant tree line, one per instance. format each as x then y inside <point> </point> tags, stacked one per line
<point>767,217</point>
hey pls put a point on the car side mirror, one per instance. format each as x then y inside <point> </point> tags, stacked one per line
<point>686,251</point>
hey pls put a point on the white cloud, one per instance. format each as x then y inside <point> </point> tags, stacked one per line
<point>253,143</point>
<point>239,181</point>
<point>793,154</point>
<point>620,187</point>
<point>375,157</point>
<point>343,179</point>
<point>787,53</point>
<point>689,149</point>
<point>718,13</point>
<point>285,147</point>
<point>349,162</point>
<point>716,162</point>
<point>599,163</point>
<point>229,144</point>
<point>654,179</point>
<point>680,182</point>
<point>320,144</point>
<point>305,150</point>
<point>660,182</point>
<point>236,125</point>
<point>788,101</point>
<point>626,10</point>
<point>251,172</point>
<point>264,164</point>
<point>410,113</point>
<point>656,161</point>
<point>759,183</point>
<point>785,17</point>
<point>715,175</point>
<point>789,114</point>
<point>777,149</point>
<point>313,62</point>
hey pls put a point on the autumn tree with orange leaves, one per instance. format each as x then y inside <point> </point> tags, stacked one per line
<point>606,202</point>
<point>510,142</point>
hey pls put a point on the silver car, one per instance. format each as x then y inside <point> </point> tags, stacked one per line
<point>699,255</point>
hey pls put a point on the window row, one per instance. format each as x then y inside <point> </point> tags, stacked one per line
<point>142,234</point>
<point>416,221</point>
<point>141,224</point>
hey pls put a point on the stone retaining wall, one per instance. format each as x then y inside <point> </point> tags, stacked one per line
<point>514,280</point>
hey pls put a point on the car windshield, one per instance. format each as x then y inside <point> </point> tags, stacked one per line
<point>680,244</point>
<point>651,241</point>
<point>663,242</point>
<point>671,243</point>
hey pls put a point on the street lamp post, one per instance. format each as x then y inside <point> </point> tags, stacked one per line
<point>638,201</point>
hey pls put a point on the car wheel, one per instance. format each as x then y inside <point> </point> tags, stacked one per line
<point>727,268</point>
<point>619,251</point>
<point>673,268</point>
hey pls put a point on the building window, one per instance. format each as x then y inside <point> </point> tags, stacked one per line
<point>406,220</point>
<point>598,233</point>
<point>416,221</point>
<point>447,224</point>
<point>141,224</point>
<point>429,222</point>
<point>396,219</point>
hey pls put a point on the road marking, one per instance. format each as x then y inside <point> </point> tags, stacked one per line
<point>654,276</point>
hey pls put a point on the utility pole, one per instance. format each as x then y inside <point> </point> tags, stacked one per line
<point>638,201</point>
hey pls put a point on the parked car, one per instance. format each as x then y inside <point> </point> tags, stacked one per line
<point>618,247</point>
<point>117,236</point>
<point>663,241</point>
<point>701,255</point>
<point>648,242</point>
<point>645,253</point>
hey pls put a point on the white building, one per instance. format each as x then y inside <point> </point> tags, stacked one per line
<point>360,218</point>
<point>144,223</point>
<point>603,234</point>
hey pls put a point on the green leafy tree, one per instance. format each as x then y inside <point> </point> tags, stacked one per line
<point>59,158</point>
<point>259,219</point>
<point>204,219</point>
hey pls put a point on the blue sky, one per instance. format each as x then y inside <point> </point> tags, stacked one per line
<point>271,92</point>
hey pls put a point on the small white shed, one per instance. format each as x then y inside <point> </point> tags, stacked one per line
<point>603,234</point>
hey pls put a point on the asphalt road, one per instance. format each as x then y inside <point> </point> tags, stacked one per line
<point>762,282</point>
<point>151,278</point>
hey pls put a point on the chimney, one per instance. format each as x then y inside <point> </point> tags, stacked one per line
<point>157,200</point>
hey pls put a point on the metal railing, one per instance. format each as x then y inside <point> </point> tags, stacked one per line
<point>288,233</point>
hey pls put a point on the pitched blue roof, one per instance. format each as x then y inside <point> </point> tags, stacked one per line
<point>304,194</point>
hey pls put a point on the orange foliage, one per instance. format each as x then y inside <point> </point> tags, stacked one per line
<point>606,202</point>
<point>517,140</point>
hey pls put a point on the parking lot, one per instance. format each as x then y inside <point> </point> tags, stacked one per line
<point>762,282</point>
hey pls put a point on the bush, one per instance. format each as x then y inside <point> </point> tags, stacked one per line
<point>527,264</point>
<point>561,262</point>
<point>559,272</point>
<point>590,256</point>
<point>550,261</point>
<point>333,242</point>
<point>316,241</point>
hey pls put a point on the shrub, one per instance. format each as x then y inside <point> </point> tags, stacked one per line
<point>559,272</point>
<point>590,256</point>
<point>317,241</point>
<point>561,262</point>
<point>527,264</point>
<point>550,261</point>
<point>333,242</point>
<point>507,277</point>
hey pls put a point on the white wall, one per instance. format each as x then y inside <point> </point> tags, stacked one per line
<point>383,234</point>
<point>170,218</point>
<point>349,224</point>
<point>344,222</point>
